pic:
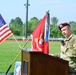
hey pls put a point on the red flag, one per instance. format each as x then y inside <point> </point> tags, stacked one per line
<point>39,36</point>
<point>5,32</point>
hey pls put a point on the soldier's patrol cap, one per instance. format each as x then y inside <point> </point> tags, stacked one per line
<point>63,25</point>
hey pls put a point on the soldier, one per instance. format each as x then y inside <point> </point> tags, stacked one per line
<point>68,50</point>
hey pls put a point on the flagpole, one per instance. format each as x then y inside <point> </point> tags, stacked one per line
<point>13,62</point>
<point>17,54</point>
<point>27,41</point>
<point>17,42</point>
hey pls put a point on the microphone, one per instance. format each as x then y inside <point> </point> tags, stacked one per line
<point>62,42</point>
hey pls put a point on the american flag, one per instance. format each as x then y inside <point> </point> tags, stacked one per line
<point>5,32</point>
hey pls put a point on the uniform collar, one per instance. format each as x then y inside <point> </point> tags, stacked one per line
<point>67,39</point>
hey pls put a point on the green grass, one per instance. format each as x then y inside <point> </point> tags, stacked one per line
<point>9,51</point>
<point>54,47</point>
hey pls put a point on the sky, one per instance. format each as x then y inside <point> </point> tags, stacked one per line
<point>64,10</point>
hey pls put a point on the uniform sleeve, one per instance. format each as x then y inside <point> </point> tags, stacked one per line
<point>57,55</point>
<point>72,50</point>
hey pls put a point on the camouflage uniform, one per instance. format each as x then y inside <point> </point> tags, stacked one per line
<point>69,53</point>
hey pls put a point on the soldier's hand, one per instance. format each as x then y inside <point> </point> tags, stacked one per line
<point>63,48</point>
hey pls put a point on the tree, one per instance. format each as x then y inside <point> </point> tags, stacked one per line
<point>12,22</point>
<point>72,24</point>
<point>34,18</point>
<point>74,30</point>
<point>18,21</point>
<point>54,31</point>
<point>16,26</point>
<point>54,20</point>
<point>32,24</point>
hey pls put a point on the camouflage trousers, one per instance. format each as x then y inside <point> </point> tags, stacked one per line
<point>72,71</point>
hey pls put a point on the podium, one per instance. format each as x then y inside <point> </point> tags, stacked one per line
<point>38,63</point>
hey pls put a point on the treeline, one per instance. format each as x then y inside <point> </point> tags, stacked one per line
<point>18,27</point>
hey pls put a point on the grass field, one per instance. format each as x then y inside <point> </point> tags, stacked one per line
<point>10,49</point>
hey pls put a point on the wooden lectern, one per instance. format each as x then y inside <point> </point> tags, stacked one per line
<point>38,63</point>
